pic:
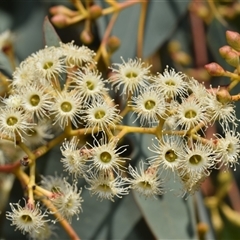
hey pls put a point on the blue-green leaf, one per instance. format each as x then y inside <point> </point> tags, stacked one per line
<point>50,36</point>
<point>169,217</point>
<point>5,64</point>
<point>161,21</point>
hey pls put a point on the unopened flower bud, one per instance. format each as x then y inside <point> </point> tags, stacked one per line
<point>203,11</point>
<point>182,58</point>
<point>95,11</point>
<point>224,51</point>
<point>86,37</point>
<point>233,39</point>
<point>174,46</point>
<point>214,69</point>
<point>230,55</point>
<point>62,10</point>
<point>113,43</point>
<point>223,96</point>
<point>60,20</point>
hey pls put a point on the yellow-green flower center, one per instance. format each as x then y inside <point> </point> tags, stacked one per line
<point>11,121</point>
<point>104,187</point>
<point>170,156</point>
<point>105,157</point>
<point>230,148</point>
<point>34,100</point>
<point>131,75</point>
<point>149,104</point>
<point>26,218</point>
<point>170,82</point>
<point>66,106</point>
<point>71,61</point>
<point>69,203</point>
<point>145,184</point>
<point>99,114</point>
<point>195,159</point>
<point>47,65</point>
<point>90,85</point>
<point>190,114</point>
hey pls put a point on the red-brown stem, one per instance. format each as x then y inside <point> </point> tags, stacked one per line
<point>9,168</point>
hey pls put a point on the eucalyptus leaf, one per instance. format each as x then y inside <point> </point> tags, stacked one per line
<point>5,20</point>
<point>203,215</point>
<point>50,36</point>
<point>169,217</point>
<point>5,64</point>
<point>161,21</point>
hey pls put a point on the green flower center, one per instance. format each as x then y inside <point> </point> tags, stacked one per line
<point>66,106</point>
<point>47,65</point>
<point>190,114</point>
<point>104,187</point>
<point>170,82</point>
<point>11,121</point>
<point>99,114</point>
<point>71,61</point>
<point>131,75</point>
<point>69,203</point>
<point>90,85</point>
<point>105,157</point>
<point>26,218</point>
<point>145,184</point>
<point>195,159</point>
<point>230,148</point>
<point>170,156</point>
<point>149,104</point>
<point>34,100</point>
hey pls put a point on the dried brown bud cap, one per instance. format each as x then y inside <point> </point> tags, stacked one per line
<point>233,39</point>
<point>113,43</point>
<point>214,69</point>
<point>202,229</point>
<point>95,11</point>
<point>223,96</point>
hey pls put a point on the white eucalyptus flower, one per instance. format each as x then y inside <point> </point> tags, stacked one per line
<point>133,75</point>
<point>28,218</point>
<point>146,181</point>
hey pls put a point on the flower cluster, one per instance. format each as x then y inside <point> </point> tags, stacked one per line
<point>38,94</point>
<point>58,91</point>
